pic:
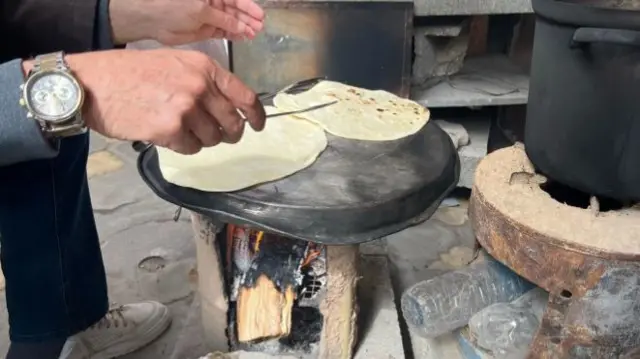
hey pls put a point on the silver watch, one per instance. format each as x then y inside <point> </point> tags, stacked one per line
<point>53,97</point>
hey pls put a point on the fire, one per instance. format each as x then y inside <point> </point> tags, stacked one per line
<point>237,234</point>
<point>312,254</point>
<point>256,246</point>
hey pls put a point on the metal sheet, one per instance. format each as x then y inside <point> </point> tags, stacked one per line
<point>345,41</point>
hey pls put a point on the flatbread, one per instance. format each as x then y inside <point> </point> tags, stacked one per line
<point>360,114</point>
<point>285,146</point>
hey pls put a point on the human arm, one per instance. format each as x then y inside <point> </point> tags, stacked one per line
<point>42,26</point>
<point>181,100</point>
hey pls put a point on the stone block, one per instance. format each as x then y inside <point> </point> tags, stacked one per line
<point>439,51</point>
<point>471,154</point>
<point>456,132</point>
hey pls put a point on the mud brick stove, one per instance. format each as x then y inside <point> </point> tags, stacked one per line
<point>277,263</point>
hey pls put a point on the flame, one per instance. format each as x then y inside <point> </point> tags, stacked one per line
<point>311,255</point>
<point>236,234</point>
<point>256,246</point>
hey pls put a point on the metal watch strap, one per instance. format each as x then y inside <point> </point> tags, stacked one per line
<point>51,61</point>
<point>55,61</point>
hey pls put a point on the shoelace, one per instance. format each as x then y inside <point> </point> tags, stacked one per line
<point>114,318</point>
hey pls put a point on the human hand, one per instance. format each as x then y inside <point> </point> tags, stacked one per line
<point>177,22</point>
<point>178,99</point>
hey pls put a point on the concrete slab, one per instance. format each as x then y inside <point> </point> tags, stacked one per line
<point>470,7</point>
<point>491,80</point>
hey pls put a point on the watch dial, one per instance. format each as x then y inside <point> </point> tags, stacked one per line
<point>53,96</point>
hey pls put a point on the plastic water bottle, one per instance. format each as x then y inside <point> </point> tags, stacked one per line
<point>507,329</point>
<point>445,303</point>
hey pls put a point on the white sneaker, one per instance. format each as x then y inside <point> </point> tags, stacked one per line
<point>123,330</point>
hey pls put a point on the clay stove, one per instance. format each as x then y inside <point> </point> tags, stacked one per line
<point>261,252</point>
<point>584,250</point>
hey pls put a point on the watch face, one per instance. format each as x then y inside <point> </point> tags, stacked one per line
<point>53,96</point>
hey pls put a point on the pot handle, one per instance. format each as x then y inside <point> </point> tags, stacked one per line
<point>589,35</point>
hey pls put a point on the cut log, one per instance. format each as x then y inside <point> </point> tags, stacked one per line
<point>339,307</point>
<point>263,311</point>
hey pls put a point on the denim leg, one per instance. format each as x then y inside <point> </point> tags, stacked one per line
<point>50,252</point>
<point>50,349</point>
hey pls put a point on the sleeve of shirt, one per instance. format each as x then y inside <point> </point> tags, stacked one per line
<point>20,138</point>
<point>103,35</point>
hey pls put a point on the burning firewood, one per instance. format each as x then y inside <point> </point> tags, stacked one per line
<point>264,311</point>
<point>266,277</point>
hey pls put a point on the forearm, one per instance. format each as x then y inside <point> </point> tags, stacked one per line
<point>20,138</point>
<point>42,26</point>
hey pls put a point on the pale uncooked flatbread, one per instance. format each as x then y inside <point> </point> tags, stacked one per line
<point>285,146</point>
<point>360,114</point>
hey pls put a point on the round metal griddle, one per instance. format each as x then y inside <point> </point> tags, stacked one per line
<point>355,192</point>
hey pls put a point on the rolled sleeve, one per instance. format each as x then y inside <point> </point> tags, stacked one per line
<point>20,138</point>
<point>103,32</point>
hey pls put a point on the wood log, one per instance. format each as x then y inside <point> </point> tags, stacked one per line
<point>263,311</point>
<point>339,307</point>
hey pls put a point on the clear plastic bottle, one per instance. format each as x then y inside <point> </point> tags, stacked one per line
<point>447,302</point>
<point>507,329</point>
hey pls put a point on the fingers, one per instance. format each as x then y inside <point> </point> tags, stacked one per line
<point>187,144</point>
<point>220,19</point>
<point>248,7</point>
<point>240,97</point>
<point>253,23</point>
<point>245,20</point>
<point>220,109</point>
<point>200,125</point>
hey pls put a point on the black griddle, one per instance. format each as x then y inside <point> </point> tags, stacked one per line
<point>355,192</point>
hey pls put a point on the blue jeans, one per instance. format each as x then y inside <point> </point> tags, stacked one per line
<point>55,279</point>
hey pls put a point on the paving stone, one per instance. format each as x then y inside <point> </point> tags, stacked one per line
<point>102,162</point>
<point>378,323</point>
<point>97,142</point>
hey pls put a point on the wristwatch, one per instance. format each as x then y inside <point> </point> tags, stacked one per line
<point>53,97</point>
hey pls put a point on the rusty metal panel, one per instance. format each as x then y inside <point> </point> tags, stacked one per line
<point>360,43</point>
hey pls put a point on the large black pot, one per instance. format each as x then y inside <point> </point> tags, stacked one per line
<point>583,116</point>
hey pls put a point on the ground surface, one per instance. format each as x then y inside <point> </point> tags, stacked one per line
<point>134,224</point>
